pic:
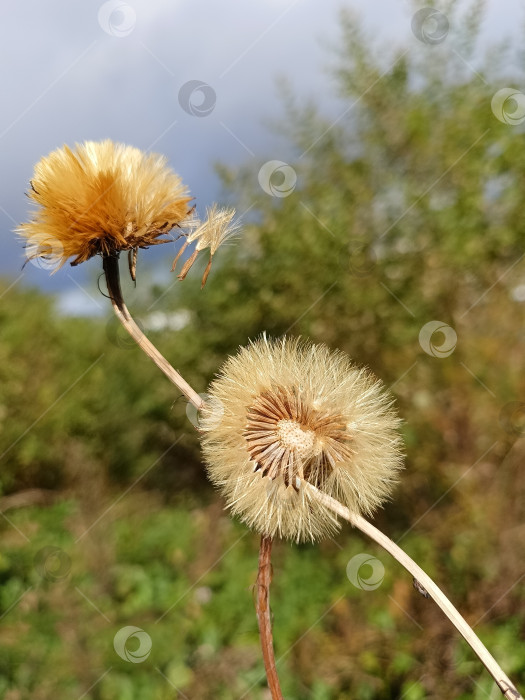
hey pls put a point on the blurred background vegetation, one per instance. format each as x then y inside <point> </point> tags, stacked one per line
<point>407,210</point>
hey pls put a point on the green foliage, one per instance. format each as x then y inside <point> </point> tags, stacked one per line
<point>407,209</point>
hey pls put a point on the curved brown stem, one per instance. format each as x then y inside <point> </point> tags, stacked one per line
<point>111,271</point>
<point>503,682</point>
<point>264,578</point>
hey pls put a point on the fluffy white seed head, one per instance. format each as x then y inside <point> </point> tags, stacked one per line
<point>283,412</point>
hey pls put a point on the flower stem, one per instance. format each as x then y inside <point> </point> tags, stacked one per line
<point>111,271</point>
<point>264,578</point>
<point>503,682</point>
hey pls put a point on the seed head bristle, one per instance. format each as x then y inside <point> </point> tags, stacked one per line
<point>284,412</point>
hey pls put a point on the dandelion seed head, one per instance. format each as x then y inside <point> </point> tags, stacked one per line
<point>291,412</point>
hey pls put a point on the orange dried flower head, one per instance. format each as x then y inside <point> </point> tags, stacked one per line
<point>101,198</point>
<point>284,412</point>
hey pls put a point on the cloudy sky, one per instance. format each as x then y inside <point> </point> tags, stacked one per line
<point>193,79</point>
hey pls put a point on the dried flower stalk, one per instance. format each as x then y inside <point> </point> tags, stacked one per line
<point>111,271</point>
<point>264,578</point>
<point>503,682</point>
